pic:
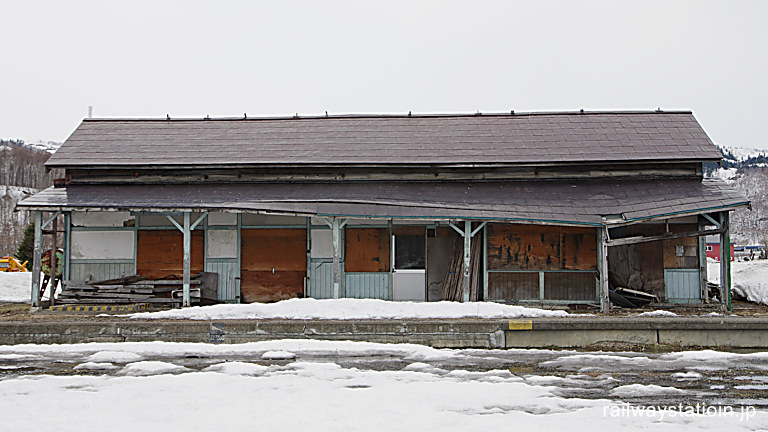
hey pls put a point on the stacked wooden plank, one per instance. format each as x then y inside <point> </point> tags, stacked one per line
<point>143,291</point>
<point>452,286</point>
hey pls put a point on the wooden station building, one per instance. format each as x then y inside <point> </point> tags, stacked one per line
<point>519,208</point>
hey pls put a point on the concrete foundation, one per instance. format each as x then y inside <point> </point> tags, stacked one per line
<point>572,332</point>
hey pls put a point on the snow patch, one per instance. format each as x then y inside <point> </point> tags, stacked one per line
<point>114,357</point>
<point>237,368</point>
<point>344,309</point>
<point>278,355</point>
<point>148,368</point>
<point>636,390</point>
<point>95,366</point>
<point>690,375</point>
<point>658,313</point>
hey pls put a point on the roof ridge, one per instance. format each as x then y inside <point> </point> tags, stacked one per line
<point>391,115</point>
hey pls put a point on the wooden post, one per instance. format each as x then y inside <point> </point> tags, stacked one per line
<point>725,262</point>
<point>467,253</point>
<point>54,261</point>
<point>336,257</point>
<point>68,248</point>
<point>602,268</point>
<point>187,254</point>
<point>703,263</point>
<point>37,255</point>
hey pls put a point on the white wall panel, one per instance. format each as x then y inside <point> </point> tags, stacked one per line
<point>222,243</point>
<point>102,244</point>
<point>100,219</point>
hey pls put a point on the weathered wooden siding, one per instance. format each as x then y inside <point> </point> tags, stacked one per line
<point>367,249</point>
<point>570,286</point>
<point>320,279</point>
<point>161,253</point>
<point>536,247</point>
<point>682,285</point>
<point>368,285</point>
<point>227,285</point>
<point>273,264</point>
<point>91,271</point>
<point>517,286</point>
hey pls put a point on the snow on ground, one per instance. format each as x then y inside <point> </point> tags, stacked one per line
<point>749,278</point>
<point>132,351</point>
<point>351,309</point>
<point>322,394</point>
<point>17,287</point>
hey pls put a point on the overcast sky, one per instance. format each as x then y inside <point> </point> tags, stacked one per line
<point>226,58</point>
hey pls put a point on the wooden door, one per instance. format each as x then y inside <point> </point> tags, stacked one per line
<point>273,264</point>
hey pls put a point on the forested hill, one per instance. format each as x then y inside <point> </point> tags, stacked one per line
<point>22,173</point>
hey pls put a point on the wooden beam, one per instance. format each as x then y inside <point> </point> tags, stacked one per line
<point>643,239</point>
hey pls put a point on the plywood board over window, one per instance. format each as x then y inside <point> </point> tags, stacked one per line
<point>367,250</point>
<point>160,253</point>
<point>273,264</point>
<point>534,247</point>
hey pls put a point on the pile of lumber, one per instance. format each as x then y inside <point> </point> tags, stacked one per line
<point>453,284</point>
<point>128,290</point>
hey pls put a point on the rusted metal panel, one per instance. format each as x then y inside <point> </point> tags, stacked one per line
<point>273,264</point>
<point>161,253</point>
<point>535,247</point>
<point>367,250</point>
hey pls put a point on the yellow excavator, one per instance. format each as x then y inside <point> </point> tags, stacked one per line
<point>10,264</point>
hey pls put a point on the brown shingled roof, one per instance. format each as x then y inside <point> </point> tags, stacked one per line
<point>427,139</point>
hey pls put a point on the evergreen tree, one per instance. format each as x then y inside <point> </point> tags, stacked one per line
<point>26,247</point>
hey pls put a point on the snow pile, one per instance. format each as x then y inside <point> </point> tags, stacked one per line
<point>15,286</point>
<point>749,279</point>
<point>350,309</point>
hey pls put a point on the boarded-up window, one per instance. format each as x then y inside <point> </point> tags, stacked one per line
<point>273,264</point>
<point>366,250</point>
<point>534,247</point>
<point>160,253</point>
